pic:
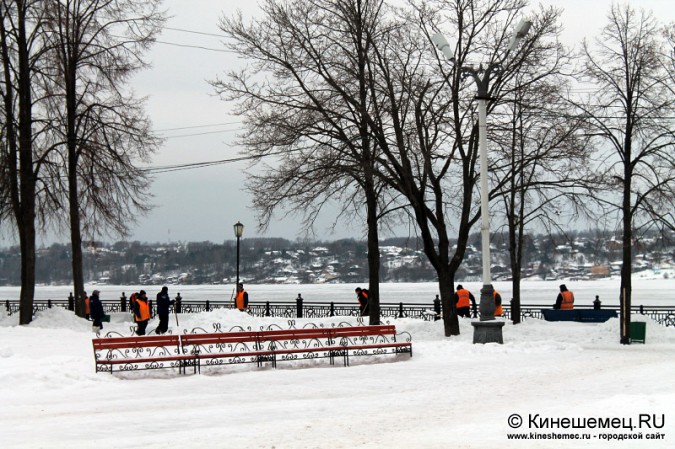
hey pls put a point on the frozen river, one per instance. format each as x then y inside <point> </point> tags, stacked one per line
<point>648,289</point>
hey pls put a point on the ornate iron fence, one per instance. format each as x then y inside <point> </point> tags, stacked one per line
<point>664,315</point>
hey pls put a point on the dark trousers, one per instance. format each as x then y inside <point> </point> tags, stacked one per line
<point>97,322</point>
<point>163,324</point>
<point>140,330</point>
<point>364,310</point>
<point>464,311</point>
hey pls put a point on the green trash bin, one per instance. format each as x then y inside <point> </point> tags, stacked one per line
<point>638,331</point>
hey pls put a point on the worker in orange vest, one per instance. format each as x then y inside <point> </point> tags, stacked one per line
<point>241,300</point>
<point>565,299</point>
<point>141,312</point>
<point>499,310</point>
<point>362,298</point>
<point>87,308</point>
<point>463,300</point>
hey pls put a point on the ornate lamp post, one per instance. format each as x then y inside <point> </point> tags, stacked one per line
<point>487,330</point>
<point>238,232</point>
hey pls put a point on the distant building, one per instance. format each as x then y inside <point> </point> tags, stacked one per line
<point>600,271</point>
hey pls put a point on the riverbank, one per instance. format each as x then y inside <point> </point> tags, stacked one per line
<point>649,288</point>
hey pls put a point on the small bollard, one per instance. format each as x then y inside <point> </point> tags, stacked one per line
<point>123,303</point>
<point>179,302</point>
<point>49,303</point>
<point>298,301</point>
<point>597,303</point>
<point>437,308</point>
<point>267,308</point>
<point>208,306</point>
<point>332,308</point>
<point>71,302</point>
<point>400,310</point>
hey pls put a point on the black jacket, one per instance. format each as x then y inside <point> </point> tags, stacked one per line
<point>163,303</point>
<point>95,308</point>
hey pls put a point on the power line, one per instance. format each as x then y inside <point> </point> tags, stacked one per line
<point>194,165</point>
<point>204,133</point>
<point>194,32</point>
<point>220,50</point>
<point>198,126</point>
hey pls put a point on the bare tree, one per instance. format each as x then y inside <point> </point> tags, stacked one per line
<point>309,106</point>
<point>433,140</point>
<point>95,46</point>
<point>22,47</point>
<point>632,111</point>
<point>540,163</point>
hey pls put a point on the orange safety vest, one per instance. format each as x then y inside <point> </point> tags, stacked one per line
<point>464,299</point>
<point>132,301</point>
<point>143,310</point>
<point>365,295</point>
<point>239,300</point>
<point>87,310</point>
<point>567,300</point>
<point>499,310</point>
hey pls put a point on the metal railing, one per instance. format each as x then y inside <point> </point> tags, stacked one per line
<point>664,315</point>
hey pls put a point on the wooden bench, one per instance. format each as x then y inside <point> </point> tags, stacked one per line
<point>294,344</point>
<point>333,342</point>
<point>219,348</point>
<point>372,340</point>
<point>138,353</point>
<point>211,349</point>
<point>579,315</point>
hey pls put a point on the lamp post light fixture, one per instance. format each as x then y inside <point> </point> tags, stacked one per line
<point>238,232</point>
<point>487,330</point>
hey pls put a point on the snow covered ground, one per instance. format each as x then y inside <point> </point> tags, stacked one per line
<point>450,394</point>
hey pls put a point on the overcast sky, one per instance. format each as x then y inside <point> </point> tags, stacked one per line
<point>203,204</point>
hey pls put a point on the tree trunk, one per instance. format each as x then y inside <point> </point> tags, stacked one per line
<point>626,287</point>
<point>76,247</point>
<point>446,283</point>
<point>27,243</point>
<point>26,212</point>
<point>73,194</point>
<point>373,258</point>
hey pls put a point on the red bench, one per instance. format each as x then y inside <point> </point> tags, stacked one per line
<point>217,348</point>
<point>372,340</point>
<point>186,350</point>
<point>137,353</point>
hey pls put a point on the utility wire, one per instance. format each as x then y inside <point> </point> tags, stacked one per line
<point>194,165</point>
<point>195,46</point>
<point>198,126</point>
<point>195,32</point>
<point>204,133</point>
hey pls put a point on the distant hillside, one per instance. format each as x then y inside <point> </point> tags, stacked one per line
<point>275,260</point>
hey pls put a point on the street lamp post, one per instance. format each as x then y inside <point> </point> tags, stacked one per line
<point>238,231</point>
<point>487,330</point>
